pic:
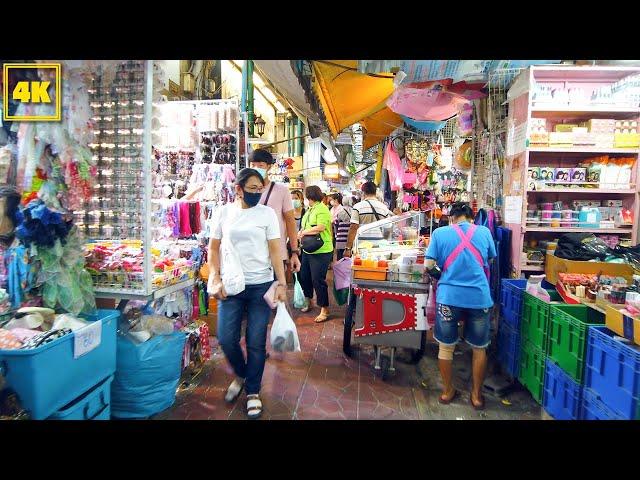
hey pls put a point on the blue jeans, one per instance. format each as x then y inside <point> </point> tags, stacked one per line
<point>230,315</point>
<point>477,326</point>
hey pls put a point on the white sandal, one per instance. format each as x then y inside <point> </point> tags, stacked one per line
<point>233,391</point>
<point>254,406</point>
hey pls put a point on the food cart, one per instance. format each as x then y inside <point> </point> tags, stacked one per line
<point>389,289</point>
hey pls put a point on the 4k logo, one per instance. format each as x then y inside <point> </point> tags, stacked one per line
<point>31,92</point>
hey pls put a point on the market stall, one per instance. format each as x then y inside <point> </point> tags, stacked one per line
<point>571,200</point>
<point>389,289</point>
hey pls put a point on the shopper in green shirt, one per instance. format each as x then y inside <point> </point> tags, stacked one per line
<point>313,272</point>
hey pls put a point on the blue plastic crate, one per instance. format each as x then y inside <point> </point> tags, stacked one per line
<point>48,377</point>
<point>511,301</point>
<point>562,394</point>
<point>509,350</point>
<point>613,372</point>
<point>93,405</point>
<point>593,409</point>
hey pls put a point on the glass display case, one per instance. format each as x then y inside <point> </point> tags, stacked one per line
<point>391,250</point>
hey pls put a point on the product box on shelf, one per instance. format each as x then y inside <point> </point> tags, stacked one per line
<point>561,139</point>
<point>547,174</point>
<point>564,127</point>
<point>613,203</point>
<point>618,320</point>
<point>626,140</point>
<point>562,175</point>
<point>600,125</point>
<point>578,175</point>
<point>578,204</point>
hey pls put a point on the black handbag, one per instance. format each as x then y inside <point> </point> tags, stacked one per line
<point>312,243</point>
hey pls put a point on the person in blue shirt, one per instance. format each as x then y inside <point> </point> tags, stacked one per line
<point>462,250</point>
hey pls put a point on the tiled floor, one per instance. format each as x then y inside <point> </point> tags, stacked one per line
<point>320,383</point>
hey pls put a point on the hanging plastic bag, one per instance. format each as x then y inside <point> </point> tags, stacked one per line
<point>284,335</point>
<point>341,296</point>
<point>342,273</point>
<point>298,294</point>
<point>232,274</point>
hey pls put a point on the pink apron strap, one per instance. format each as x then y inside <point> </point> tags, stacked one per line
<point>464,244</point>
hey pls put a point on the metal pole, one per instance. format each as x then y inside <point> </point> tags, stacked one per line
<point>250,107</point>
<point>146,168</point>
<point>299,142</point>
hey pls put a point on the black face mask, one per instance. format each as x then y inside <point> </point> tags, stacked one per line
<point>252,199</point>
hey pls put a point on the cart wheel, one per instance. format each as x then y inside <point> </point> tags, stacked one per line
<point>348,326</point>
<point>384,368</point>
<point>418,354</point>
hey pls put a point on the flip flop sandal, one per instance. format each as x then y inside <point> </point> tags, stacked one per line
<point>443,401</point>
<point>321,318</point>
<point>254,406</point>
<point>233,392</point>
<point>477,407</point>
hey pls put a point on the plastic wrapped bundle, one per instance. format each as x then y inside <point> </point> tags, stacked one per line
<point>66,283</point>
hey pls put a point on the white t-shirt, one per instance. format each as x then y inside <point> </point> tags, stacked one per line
<point>363,214</point>
<point>249,230</point>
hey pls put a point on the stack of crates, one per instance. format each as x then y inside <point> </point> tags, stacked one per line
<point>612,377</point>
<point>567,331</point>
<point>509,326</point>
<point>533,341</point>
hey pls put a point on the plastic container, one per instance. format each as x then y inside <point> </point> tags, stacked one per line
<point>535,319</point>
<point>48,377</point>
<point>562,395</point>
<point>369,273</point>
<point>509,350</point>
<point>613,372</point>
<point>592,408</point>
<point>567,336</point>
<point>589,218</point>
<point>532,369</point>
<point>93,405</point>
<point>511,301</point>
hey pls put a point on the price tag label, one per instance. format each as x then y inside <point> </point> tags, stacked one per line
<point>87,339</point>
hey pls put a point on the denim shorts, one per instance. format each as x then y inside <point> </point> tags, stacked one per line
<point>477,326</point>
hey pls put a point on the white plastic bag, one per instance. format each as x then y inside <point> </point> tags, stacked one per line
<point>284,335</point>
<point>232,274</point>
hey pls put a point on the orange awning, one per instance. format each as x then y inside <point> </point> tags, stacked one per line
<point>349,97</point>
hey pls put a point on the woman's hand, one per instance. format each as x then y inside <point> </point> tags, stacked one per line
<point>301,234</point>
<point>218,289</point>
<point>281,293</point>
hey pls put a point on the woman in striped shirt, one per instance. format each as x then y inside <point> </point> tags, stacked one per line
<point>341,213</point>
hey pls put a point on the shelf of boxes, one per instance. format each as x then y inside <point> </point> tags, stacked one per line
<point>562,135</point>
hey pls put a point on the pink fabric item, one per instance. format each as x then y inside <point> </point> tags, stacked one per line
<point>342,273</point>
<point>280,201</point>
<point>393,165</point>
<point>425,104</point>
<point>24,334</point>
<point>185,223</point>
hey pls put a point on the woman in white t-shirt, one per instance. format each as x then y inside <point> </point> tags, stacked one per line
<point>254,233</point>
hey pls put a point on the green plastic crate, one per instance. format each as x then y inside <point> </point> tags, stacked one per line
<point>567,336</point>
<point>532,363</point>
<point>535,319</point>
